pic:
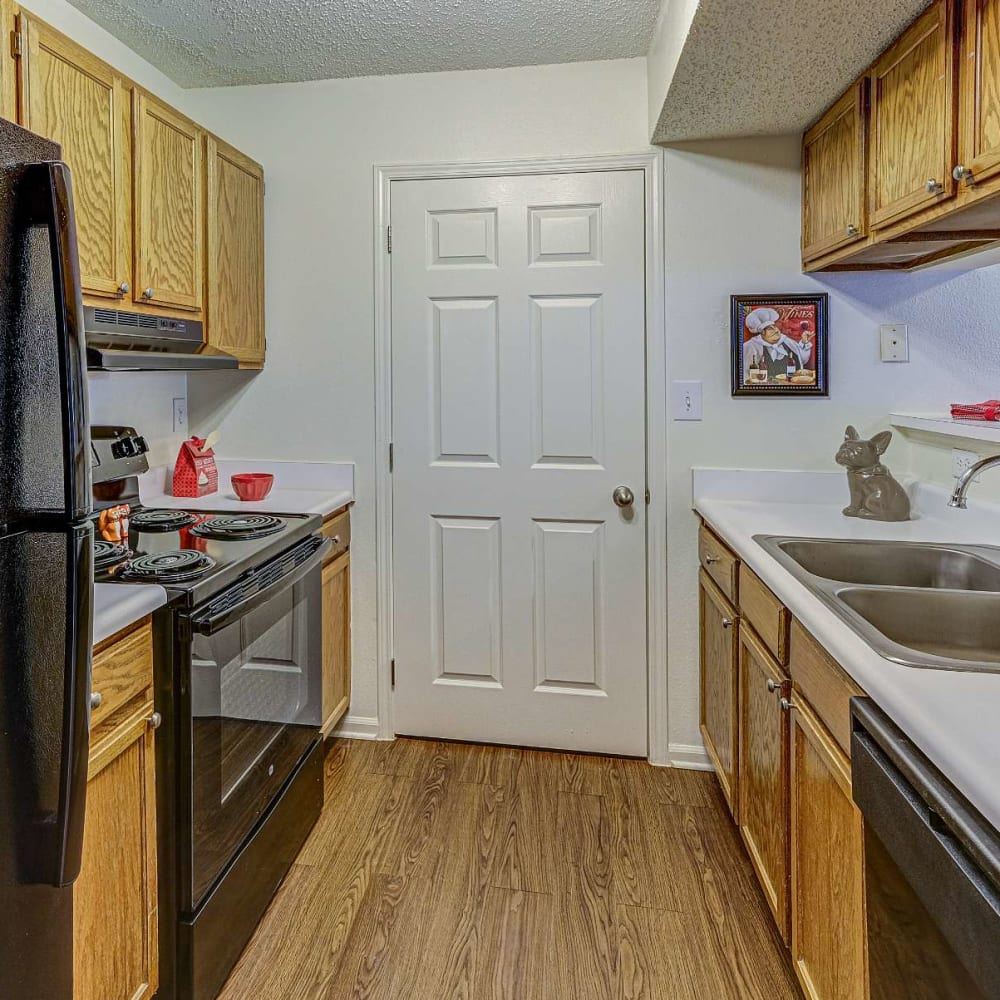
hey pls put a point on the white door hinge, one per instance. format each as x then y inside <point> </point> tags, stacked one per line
<point>392,457</point>
<point>388,239</point>
<point>392,673</point>
<point>647,496</point>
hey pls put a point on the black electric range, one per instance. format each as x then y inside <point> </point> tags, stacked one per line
<point>195,554</point>
<point>238,662</point>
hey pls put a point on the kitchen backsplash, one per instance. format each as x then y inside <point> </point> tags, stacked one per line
<point>144,400</point>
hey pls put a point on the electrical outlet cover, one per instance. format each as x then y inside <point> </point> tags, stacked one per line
<point>962,460</point>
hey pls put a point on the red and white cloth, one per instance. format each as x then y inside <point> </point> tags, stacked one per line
<point>989,410</point>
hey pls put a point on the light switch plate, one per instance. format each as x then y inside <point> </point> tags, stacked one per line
<point>894,342</point>
<point>962,460</point>
<point>180,415</point>
<point>686,400</point>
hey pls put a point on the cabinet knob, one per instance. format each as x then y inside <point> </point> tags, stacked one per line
<point>728,623</point>
<point>934,187</point>
<point>786,705</point>
<point>852,230</point>
<point>155,720</point>
<point>772,686</point>
<point>962,173</point>
<point>95,699</point>
<point>148,293</point>
<point>711,560</point>
<point>124,288</point>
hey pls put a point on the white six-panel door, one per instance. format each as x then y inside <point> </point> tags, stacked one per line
<point>518,332</point>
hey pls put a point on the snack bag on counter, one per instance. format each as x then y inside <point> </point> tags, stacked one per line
<point>195,473</point>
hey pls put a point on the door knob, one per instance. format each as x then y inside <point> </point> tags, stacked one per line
<point>623,496</point>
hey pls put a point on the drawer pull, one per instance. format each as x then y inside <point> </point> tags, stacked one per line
<point>786,705</point>
<point>711,560</point>
<point>728,623</point>
<point>772,686</point>
<point>155,720</point>
<point>95,700</point>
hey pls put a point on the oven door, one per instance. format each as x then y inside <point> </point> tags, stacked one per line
<point>255,704</point>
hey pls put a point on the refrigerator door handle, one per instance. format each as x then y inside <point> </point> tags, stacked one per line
<point>52,207</point>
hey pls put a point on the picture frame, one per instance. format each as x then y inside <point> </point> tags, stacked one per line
<point>779,345</point>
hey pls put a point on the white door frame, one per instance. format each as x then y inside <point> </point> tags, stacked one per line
<point>650,162</point>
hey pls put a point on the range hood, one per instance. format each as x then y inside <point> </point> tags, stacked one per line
<point>119,340</point>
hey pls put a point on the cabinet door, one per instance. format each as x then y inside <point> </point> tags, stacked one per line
<point>168,221</point>
<point>719,678</point>
<point>72,97</point>
<point>8,67</point>
<point>114,900</point>
<point>235,265</point>
<point>828,907</point>
<point>913,119</point>
<point>336,640</point>
<point>764,771</point>
<point>834,161</point>
<point>979,76</point>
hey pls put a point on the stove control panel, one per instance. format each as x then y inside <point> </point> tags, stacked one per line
<point>118,452</point>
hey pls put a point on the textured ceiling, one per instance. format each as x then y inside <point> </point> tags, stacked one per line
<point>228,42</point>
<point>761,67</point>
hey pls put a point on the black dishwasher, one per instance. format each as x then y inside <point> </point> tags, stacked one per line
<point>932,867</point>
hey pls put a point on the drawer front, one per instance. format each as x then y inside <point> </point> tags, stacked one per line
<point>719,562</point>
<point>824,685</point>
<point>122,670</point>
<point>765,613</point>
<point>338,530</point>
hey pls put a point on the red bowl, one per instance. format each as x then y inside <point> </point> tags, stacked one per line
<point>252,485</point>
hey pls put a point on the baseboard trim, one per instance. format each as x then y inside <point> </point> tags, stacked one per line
<point>690,756</point>
<point>357,727</point>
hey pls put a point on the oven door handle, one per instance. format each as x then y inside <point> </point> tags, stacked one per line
<point>209,624</point>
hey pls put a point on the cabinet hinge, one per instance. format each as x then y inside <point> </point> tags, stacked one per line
<point>392,456</point>
<point>392,673</point>
<point>388,239</point>
<point>16,43</point>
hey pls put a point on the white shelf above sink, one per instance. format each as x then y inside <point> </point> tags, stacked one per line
<point>936,423</point>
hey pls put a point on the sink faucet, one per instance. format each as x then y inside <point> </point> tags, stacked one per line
<point>962,488</point>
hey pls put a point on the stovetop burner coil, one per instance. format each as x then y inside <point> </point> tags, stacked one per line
<point>161,520</point>
<point>169,567</point>
<point>237,527</point>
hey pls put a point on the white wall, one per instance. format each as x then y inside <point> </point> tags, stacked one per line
<point>672,26</point>
<point>732,226</point>
<point>318,143</point>
<point>144,400</point>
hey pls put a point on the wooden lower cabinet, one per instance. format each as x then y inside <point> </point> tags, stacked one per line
<point>829,948</point>
<point>336,640</point>
<point>764,772</point>
<point>719,651</point>
<point>115,945</point>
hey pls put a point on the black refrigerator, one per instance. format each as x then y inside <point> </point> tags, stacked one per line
<point>46,569</point>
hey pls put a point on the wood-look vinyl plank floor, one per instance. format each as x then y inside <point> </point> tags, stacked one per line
<point>440,871</point>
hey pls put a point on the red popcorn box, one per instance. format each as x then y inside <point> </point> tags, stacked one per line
<point>195,473</point>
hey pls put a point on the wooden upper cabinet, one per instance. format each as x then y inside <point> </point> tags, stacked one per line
<point>834,161</point>
<point>979,107</point>
<point>8,66</point>
<point>719,682</point>
<point>169,179</point>
<point>72,97</point>
<point>912,121</point>
<point>235,258</point>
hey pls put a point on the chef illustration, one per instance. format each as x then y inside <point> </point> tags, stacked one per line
<point>769,352</point>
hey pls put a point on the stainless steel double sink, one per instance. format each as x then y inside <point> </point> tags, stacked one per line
<point>916,603</point>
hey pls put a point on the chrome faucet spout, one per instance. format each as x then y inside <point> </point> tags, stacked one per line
<point>958,497</point>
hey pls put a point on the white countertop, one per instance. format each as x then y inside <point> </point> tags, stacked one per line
<point>952,716</point>
<point>118,605</point>
<point>299,488</point>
